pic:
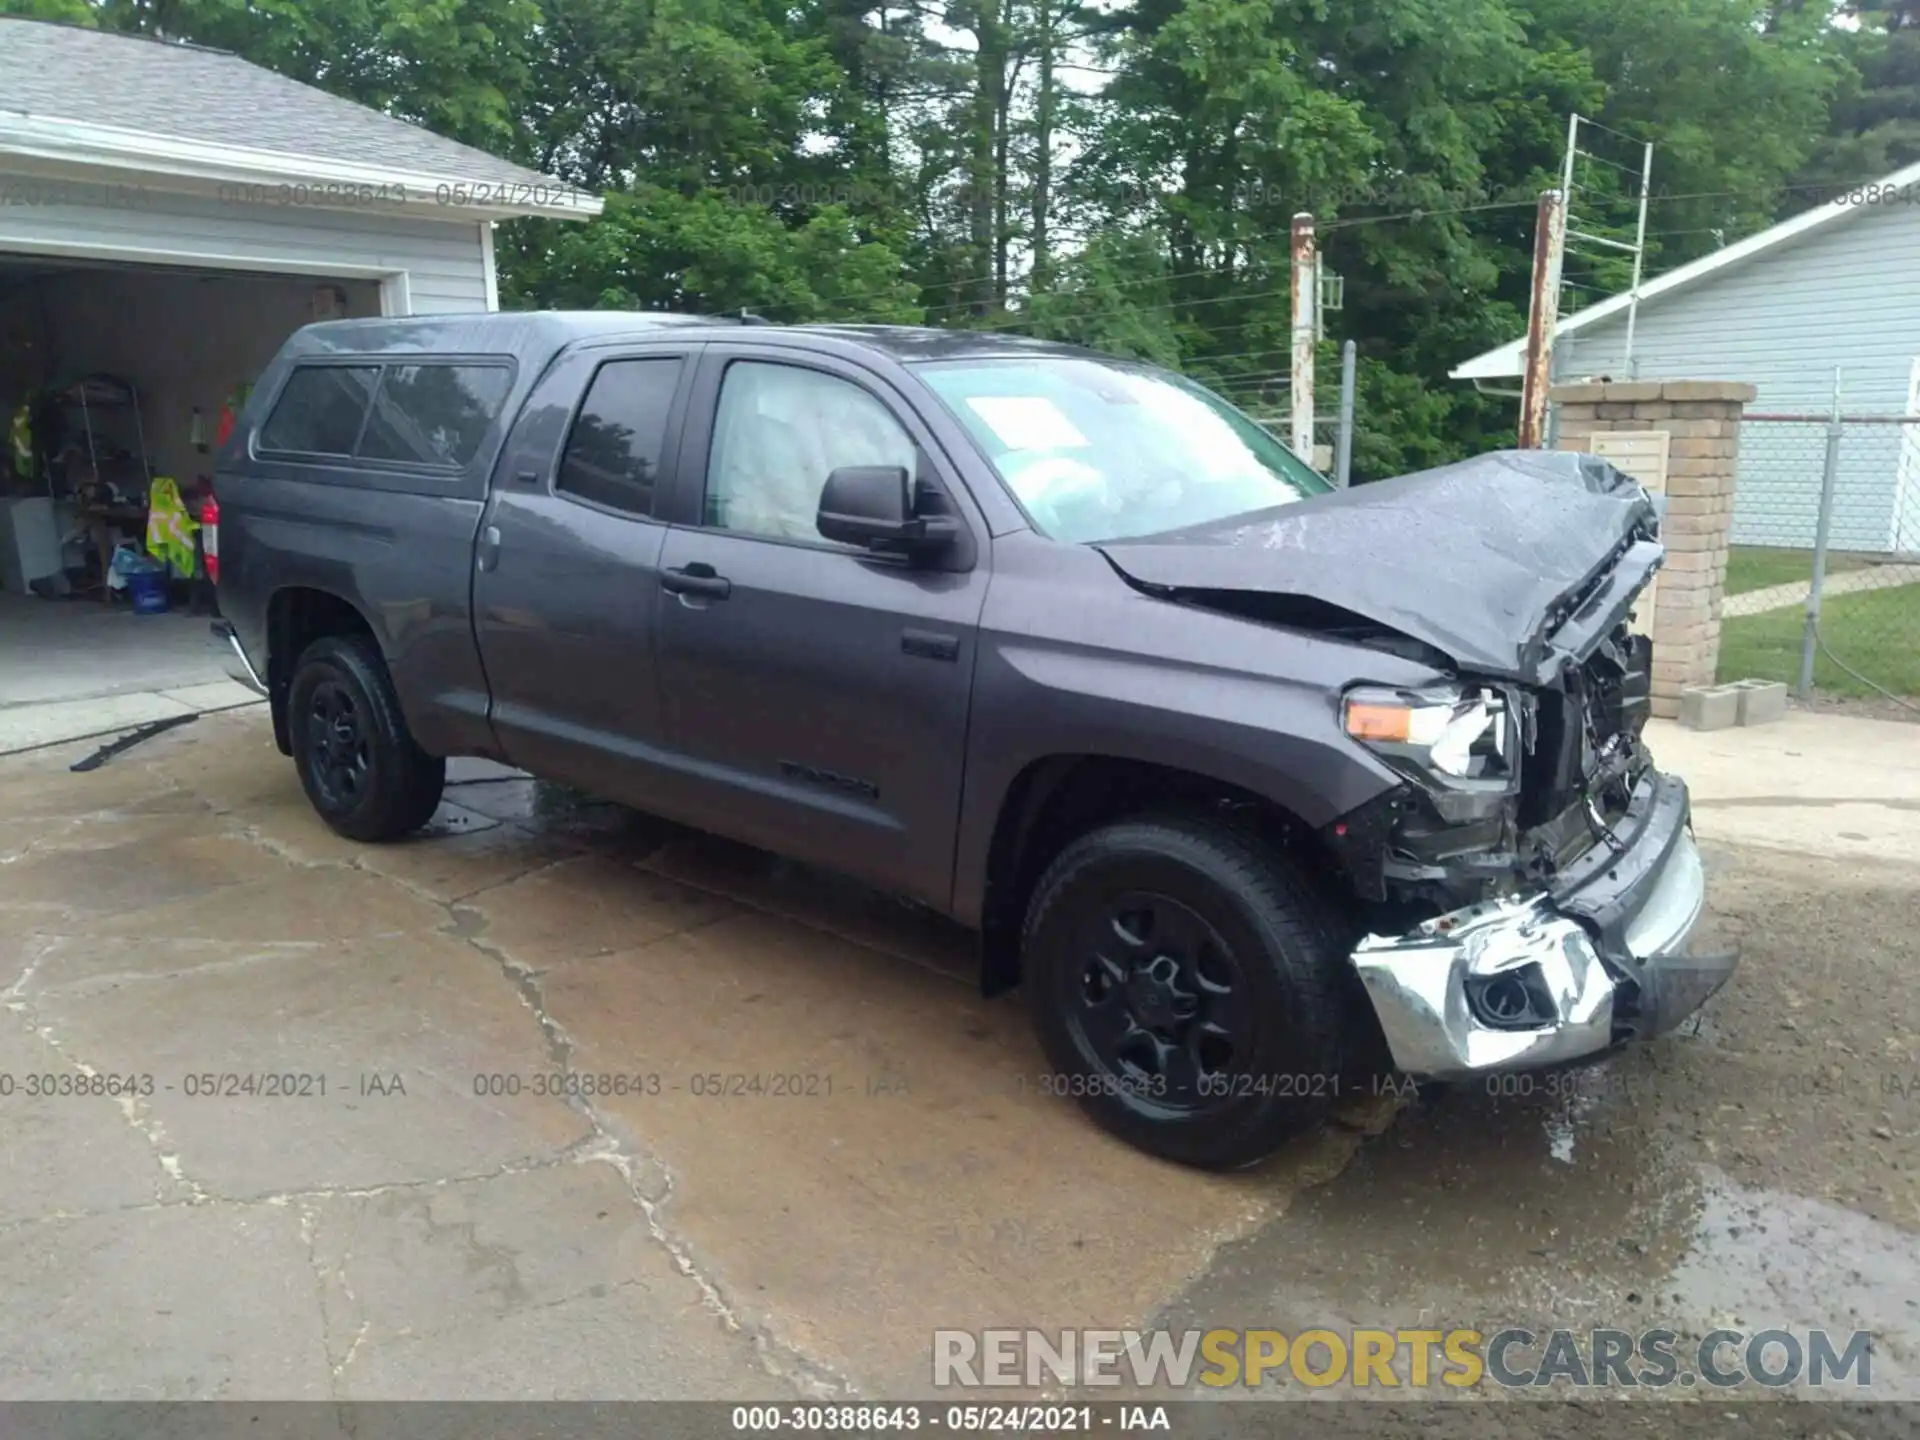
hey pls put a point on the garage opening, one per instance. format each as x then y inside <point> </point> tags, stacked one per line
<point>115,379</point>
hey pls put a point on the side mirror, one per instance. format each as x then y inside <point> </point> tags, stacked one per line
<point>872,505</point>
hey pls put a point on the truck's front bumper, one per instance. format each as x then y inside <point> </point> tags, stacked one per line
<point>1615,950</point>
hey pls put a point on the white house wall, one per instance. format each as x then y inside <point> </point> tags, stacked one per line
<point>1846,296</point>
<point>443,260</point>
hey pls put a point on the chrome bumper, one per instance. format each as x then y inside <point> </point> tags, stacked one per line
<point>234,658</point>
<point>1516,984</point>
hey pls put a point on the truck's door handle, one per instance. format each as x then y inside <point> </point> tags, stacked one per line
<point>488,550</point>
<point>696,579</point>
<point>930,644</point>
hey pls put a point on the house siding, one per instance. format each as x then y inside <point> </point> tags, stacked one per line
<point>443,261</point>
<point>1846,296</point>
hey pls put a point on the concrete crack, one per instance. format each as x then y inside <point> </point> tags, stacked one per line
<point>33,846</point>
<point>353,1349</point>
<point>527,873</point>
<point>300,1198</point>
<point>309,1236</point>
<point>605,1147</point>
<point>145,1123</point>
<point>13,993</point>
<point>266,950</point>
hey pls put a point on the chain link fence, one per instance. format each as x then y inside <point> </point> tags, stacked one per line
<point>1823,568</point>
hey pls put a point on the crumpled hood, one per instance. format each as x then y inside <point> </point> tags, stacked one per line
<point>1476,559</point>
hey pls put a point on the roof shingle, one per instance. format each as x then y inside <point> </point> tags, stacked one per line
<point>188,92</point>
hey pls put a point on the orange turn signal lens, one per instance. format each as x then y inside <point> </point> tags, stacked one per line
<point>1379,722</point>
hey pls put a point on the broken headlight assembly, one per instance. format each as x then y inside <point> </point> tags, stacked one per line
<point>1460,743</point>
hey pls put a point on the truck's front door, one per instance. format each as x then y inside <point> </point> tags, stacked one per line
<point>814,696</point>
<point>567,567</point>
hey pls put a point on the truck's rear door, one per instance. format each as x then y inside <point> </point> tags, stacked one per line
<point>567,565</point>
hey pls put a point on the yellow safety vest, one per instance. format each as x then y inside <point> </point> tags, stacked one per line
<point>170,528</point>
<point>20,435</point>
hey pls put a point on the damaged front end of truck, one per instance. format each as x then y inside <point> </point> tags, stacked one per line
<point>1535,889</point>
<point>1532,890</point>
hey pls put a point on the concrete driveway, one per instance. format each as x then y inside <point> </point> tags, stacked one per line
<point>556,1101</point>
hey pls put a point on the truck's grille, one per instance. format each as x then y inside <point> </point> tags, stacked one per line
<point>1583,730</point>
<point>1618,681</point>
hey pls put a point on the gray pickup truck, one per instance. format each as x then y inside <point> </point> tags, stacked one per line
<point>1248,784</point>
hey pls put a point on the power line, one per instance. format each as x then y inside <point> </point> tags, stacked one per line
<point>1603,160</point>
<point>1631,140</point>
<point>1428,214</point>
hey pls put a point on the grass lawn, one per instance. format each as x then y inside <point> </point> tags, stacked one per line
<point>1877,632</point>
<point>1755,567</point>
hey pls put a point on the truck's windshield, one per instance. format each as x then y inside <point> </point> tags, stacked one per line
<point>1107,450</point>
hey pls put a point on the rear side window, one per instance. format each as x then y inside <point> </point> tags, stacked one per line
<point>434,414</point>
<point>613,453</point>
<point>320,410</point>
<point>431,414</point>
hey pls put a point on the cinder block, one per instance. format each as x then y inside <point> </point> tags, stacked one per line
<point>1700,429</point>
<point>1724,391</point>
<point>1710,707</point>
<point>1761,701</point>
<point>1581,393</point>
<point>1635,391</point>
<point>1717,465</point>
<point>1692,486</point>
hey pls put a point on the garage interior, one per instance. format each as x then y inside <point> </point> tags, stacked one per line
<point>113,377</point>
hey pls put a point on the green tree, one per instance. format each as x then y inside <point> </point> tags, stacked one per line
<point>1875,125</point>
<point>1122,174</point>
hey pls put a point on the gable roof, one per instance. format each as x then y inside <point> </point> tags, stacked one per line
<point>1506,361</point>
<point>156,101</point>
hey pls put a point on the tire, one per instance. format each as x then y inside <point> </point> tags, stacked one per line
<point>357,760</point>
<point>1164,932</point>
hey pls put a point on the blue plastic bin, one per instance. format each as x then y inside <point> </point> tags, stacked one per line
<point>148,591</point>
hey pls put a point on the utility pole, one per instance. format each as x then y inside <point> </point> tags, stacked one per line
<point>1574,229</point>
<point>1306,329</point>
<point>1639,257</point>
<point>1549,249</point>
<point>1343,451</point>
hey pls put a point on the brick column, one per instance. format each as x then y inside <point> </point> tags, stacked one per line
<point>1702,417</point>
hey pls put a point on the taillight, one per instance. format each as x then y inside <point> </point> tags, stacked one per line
<point>210,537</point>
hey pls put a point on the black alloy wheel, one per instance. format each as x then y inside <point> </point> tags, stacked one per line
<point>1190,987</point>
<point>1160,1002</point>
<point>338,753</point>
<point>357,760</point>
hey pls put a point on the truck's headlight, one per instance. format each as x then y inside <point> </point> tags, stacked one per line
<point>1459,732</point>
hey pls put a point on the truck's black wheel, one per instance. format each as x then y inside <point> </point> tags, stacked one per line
<point>1188,989</point>
<point>357,761</point>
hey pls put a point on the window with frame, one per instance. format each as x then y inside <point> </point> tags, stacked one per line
<point>320,410</point>
<point>614,450</point>
<point>434,414</point>
<point>780,431</point>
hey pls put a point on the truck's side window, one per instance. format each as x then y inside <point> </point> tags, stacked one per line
<point>320,410</point>
<point>780,431</point>
<point>613,452</point>
<point>434,414</point>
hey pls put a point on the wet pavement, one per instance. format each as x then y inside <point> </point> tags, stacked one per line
<point>559,1101</point>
